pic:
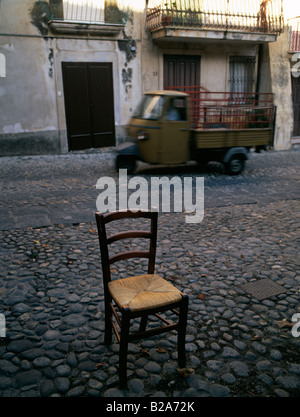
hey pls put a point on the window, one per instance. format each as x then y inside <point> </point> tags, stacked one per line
<point>150,107</point>
<point>177,110</point>
<point>242,74</point>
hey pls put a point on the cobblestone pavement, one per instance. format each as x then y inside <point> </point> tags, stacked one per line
<point>51,290</point>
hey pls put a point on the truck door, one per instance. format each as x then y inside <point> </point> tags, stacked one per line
<point>174,147</point>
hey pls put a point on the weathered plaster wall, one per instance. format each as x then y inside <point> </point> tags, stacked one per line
<point>149,61</point>
<point>130,70</point>
<point>281,87</point>
<point>27,107</point>
<point>214,67</point>
<point>28,117</point>
<point>215,64</point>
<point>28,90</point>
<point>16,17</point>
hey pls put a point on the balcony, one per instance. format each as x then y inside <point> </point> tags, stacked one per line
<point>294,34</point>
<point>98,17</point>
<point>200,20</point>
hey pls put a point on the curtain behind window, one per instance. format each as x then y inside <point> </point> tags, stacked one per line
<point>84,10</point>
<point>242,74</point>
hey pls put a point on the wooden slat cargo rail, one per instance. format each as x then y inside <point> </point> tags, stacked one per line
<point>228,110</point>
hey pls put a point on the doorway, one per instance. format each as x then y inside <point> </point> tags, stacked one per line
<point>89,104</point>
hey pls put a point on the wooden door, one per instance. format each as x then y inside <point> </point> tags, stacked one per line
<point>181,70</point>
<point>296,104</point>
<point>88,91</point>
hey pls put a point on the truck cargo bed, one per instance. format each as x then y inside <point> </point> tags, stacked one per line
<point>228,138</point>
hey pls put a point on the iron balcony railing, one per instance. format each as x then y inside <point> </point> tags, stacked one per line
<point>240,15</point>
<point>86,11</point>
<point>294,34</point>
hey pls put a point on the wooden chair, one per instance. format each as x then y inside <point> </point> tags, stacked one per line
<point>137,296</point>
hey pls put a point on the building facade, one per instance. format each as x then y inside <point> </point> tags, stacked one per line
<point>72,71</point>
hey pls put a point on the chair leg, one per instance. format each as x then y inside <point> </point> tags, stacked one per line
<point>182,332</point>
<point>108,323</point>
<point>124,349</point>
<point>143,323</point>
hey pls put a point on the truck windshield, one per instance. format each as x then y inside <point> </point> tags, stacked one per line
<point>150,107</point>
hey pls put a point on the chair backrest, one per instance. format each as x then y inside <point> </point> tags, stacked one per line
<point>102,219</point>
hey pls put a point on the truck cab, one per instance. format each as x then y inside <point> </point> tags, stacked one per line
<point>158,132</point>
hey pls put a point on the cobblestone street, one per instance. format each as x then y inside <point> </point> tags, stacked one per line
<point>51,291</point>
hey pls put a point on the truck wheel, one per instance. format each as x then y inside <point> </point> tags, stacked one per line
<point>126,162</point>
<point>235,165</point>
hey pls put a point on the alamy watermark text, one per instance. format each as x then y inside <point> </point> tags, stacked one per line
<point>159,194</point>
<point>296,66</point>
<point>2,325</point>
<point>2,65</point>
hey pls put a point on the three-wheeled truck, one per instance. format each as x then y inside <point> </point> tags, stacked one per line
<point>172,127</point>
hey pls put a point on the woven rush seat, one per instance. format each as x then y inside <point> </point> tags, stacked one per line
<point>143,292</point>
